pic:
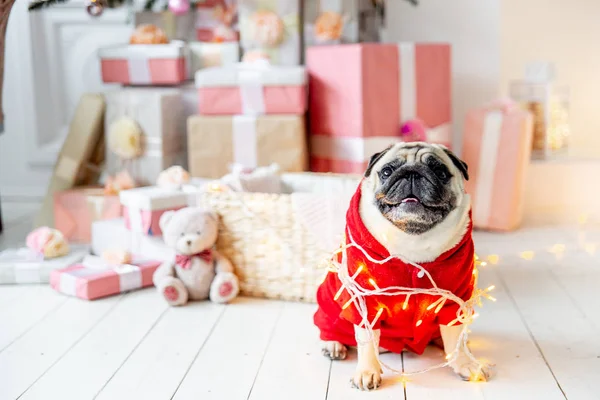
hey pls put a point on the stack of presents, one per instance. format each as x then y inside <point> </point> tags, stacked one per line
<point>285,86</point>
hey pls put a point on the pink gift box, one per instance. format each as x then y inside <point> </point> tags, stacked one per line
<point>75,210</point>
<point>140,64</point>
<point>497,149</point>
<point>143,207</point>
<point>217,25</point>
<point>358,110</point>
<point>91,283</point>
<point>252,89</point>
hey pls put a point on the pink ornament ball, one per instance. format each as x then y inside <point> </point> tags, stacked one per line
<point>179,7</point>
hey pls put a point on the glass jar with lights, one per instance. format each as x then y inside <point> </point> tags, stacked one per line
<point>549,104</point>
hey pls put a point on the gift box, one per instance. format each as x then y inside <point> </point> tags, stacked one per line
<point>26,266</point>
<point>215,142</point>
<point>143,207</point>
<point>339,21</point>
<point>75,211</point>
<point>206,55</point>
<point>252,89</point>
<point>112,235</point>
<point>497,148</point>
<point>176,27</point>
<point>145,64</point>
<point>81,155</point>
<point>272,28</point>
<point>217,21</point>
<point>145,132</point>
<point>93,279</point>
<point>360,109</point>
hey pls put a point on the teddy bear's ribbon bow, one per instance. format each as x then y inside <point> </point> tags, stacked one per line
<point>185,262</point>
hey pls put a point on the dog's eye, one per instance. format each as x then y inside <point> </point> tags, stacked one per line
<point>441,173</point>
<point>198,233</point>
<point>182,234</point>
<point>386,172</point>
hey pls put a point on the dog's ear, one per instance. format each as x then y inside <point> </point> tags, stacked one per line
<point>460,164</point>
<point>374,158</point>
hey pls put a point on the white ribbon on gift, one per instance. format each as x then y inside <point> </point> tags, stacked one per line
<point>26,264</point>
<point>139,68</point>
<point>244,141</point>
<point>251,88</point>
<point>407,91</point>
<point>490,141</point>
<point>135,219</point>
<point>357,149</point>
<point>408,81</point>
<point>130,276</point>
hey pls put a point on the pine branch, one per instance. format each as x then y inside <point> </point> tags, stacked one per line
<point>39,4</point>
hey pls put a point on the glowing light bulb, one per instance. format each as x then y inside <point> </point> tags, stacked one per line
<point>475,315</point>
<point>405,305</point>
<point>439,307</point>
<point>490,288</point>
<point>372,282</point>
<point>403,379</point>
<point>339,293</point>
<point>448,356</point>
<point>348,303</point>
<point>419,322</point>
<point>358,271</point>
<point>483,263</point>
<point>379,312</point>
<point>527,255</point>
<point>582,219</point>
<point>493,259</point>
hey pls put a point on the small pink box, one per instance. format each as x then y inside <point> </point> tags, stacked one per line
<point>497,149</point>
<point>75,210</point>
<point>143,207</point>
<point>93,282</point>
<point>145,64</point>
<point>216,21</point>
<point>358,109</point>
<point>252,89</point>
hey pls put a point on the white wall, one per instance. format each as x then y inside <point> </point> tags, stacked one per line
<point>17,177</point>
<point>566,33</point>
<point>472,27</point>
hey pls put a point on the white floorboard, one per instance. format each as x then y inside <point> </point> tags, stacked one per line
<point>227,364</point>
<point>29,357</point>
<point>155,369</point>
<point>84,370</point>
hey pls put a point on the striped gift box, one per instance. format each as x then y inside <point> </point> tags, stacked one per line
<point>92,279</point>
<point>25,266</point>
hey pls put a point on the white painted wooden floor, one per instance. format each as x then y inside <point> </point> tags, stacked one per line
<point>543,333</point>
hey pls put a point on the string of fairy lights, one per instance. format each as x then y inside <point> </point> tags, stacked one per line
<point>465,315</point>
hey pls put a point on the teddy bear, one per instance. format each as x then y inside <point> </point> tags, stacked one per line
<point>199,271</point>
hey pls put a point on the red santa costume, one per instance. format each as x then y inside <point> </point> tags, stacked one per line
<point>453,271</point>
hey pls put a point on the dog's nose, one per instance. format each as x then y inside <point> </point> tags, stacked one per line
<point>189,242</point>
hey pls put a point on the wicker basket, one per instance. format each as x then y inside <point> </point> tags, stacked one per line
<point>277,242</point>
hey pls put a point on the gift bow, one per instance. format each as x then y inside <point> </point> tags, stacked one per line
<point>415,130</point>
<point>185,261</point>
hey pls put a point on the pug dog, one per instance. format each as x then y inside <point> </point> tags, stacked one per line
<point>411,203</point>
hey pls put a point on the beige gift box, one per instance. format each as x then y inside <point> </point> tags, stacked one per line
<point>215,142</point>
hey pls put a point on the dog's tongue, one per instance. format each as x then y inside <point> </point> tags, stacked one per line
<point>410,200</point>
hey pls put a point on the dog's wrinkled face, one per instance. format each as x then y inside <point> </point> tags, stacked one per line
<point>416,185</point>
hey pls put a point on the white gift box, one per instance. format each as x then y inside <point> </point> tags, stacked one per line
<point>159,113</point>
<point>113,235</point>
<point>143,207</point>
<point>26,266</point>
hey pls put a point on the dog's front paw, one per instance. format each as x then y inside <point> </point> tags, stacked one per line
<point>366,378</point>
<point>470,370</point>
<point>334,350</point>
